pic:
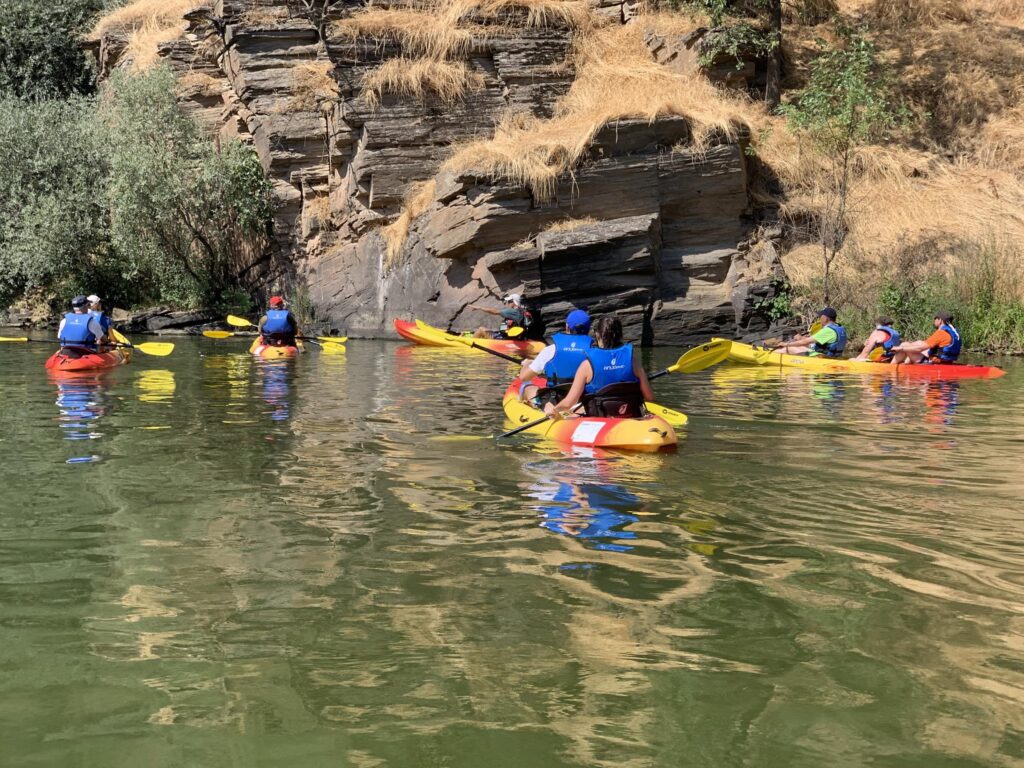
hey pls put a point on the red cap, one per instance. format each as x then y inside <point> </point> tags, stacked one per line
<point>276,301</point>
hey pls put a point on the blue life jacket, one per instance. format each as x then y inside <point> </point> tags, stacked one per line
<point>570,351</point>
<point>104,321</point>
<point>950,352</point>
<point>836,346</point>
<point>76,331</point>
<point>278,322</point>
<point>611,366</point>
<point>894,339</point>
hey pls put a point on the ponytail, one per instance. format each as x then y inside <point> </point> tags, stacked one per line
<point>608,332</point>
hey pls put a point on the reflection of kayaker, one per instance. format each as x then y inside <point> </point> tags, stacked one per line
<point>592,512</point>
<point>276,389</point>
<point>942,398</point>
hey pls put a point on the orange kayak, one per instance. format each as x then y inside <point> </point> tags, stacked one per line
<point>419,332</point>
<point>77,359</point>
<point>271,351</point>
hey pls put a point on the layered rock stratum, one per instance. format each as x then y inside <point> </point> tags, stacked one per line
<point>381,211</point>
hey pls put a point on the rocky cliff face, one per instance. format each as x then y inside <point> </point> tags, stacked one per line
<point>646,225</point>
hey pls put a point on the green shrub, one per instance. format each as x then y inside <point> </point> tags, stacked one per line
<point>41,49</point>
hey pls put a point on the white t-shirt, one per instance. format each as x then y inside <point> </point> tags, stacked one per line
<point>540,361</point>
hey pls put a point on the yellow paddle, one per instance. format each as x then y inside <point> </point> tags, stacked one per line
<point>514,332</point>
<point>155,348</point>
<point>241,322</point>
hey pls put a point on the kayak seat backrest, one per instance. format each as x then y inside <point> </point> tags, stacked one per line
<point>623,400</point>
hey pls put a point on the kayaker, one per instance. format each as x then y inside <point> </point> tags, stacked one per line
<point>609,381</point>
<point>558,361</point>
<point>884,336</point>
<point>943,346</point>
<point>79,328</point>
<point>828,341</point>
<point>514,315</point>
<point>96,310</point>
<point>279,327</point>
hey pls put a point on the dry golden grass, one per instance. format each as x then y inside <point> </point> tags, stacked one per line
<point>193,82</point>
<point>432,33</point>
<point>417,200</point>
<point>317,210</point>
<point>264,16</point>
<point>1000,143</point>
<point>899,13</point>
<point>312,86</point>
<point>570,225</point>
<point>610,61</point>
<point>145,24</point>
<point>420,78</point>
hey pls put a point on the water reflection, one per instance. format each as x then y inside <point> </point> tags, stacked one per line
<point>81,401</point>
<point>156,385</point>
<point>273,377</point>
<point>941,399</point>
<point>595,512</point>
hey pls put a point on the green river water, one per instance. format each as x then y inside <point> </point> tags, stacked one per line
<point>207,560</point>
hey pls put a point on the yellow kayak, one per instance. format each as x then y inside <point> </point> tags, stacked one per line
<point>749,355</point>
<point>648,434</point>
<point>272,352</point>
<point>421,333</point>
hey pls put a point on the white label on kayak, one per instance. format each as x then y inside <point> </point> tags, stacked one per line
<point>586,431</point>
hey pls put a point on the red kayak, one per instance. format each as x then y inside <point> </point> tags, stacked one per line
<point>77,359</point>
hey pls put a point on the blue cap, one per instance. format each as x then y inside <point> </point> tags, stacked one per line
<point>578,318</point>
<point>79,301</point>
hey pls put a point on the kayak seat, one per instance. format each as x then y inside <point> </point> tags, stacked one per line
<point>622,401</point>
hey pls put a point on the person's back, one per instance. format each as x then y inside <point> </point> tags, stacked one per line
<point>79,328</point>
<point>945,344</point>
<point>278,326</point>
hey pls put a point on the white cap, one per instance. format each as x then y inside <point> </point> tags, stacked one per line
<point>92,298</point>
<point>515,298</point>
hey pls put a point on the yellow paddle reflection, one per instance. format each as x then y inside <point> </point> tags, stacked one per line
<point>156,386</point>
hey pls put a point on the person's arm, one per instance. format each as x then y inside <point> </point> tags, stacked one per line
<point>60,328</point>
<point>295,324</point>
<point>261,323</point>
<point>96,329</point>
<point>535,367</point>
<point>938,339</point>
<point>488,310</point>
<point>583,375</point>
<point>873,340</point>
<point>641,374</point>
<point>913,346</point>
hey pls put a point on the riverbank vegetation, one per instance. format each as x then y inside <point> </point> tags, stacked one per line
<point>114,189</point>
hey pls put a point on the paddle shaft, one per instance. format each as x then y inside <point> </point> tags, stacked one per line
<point>525,427</point>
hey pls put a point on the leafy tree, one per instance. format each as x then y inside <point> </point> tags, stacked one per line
<point>41,50</point>
<point>123,194</point>
<point>186,215</point>
<point>52,221</point>
<point>848,102</point>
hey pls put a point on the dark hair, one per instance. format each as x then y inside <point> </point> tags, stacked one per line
<point>608,332</point>
<point>883,320</point>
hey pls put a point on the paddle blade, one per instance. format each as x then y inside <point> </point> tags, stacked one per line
<point>332,339</point>
<point>218,334</point>
<point>514,332</point>
<point>238,322</point>
<point>675,418</point>
<point>876,353</point>
<point>13,338</point>
<point>704,356</point>
<point>815,327</point>
<point>156,348</point>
